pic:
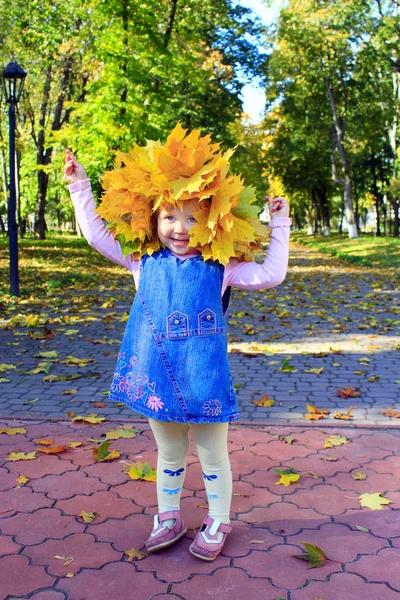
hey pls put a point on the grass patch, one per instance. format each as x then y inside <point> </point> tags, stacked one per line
<point>52,266</point>
<point>366,250</point>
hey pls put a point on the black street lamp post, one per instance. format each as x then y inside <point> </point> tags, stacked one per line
<point>13,82</point>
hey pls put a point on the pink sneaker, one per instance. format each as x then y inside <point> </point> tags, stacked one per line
<point>162,536</point>
<point>206,545</point>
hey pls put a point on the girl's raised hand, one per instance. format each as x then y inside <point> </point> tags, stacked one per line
<point>278,207</point>
<point>73,171</point>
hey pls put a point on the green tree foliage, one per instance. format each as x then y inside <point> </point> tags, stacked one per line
<point>331,90</point>
<point>104,74</point>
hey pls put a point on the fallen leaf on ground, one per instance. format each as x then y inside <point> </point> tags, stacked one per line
<point>45,442</point>
<point>349,392</point>
<point>68,392</point>
<point>88,517</point>
<point>314,413</point>
<point>22,479</point>
<point>92,419</point>
<point>288,476</point>
<point>135,554</point>
<point>12,430</point>
<point>264,401</point>
<point>141,471</point>
<point>101,453</point>
<point>53,449</point>
<point>335,440</point>
<point>373,501</point>
<point>68,559</point>
<point>389,412</point>
<point>49,354</point>
<point>14,456</point>
<point>343,416</point>
<point>359,476</point>
<point>315,371</point>
<point>314,556</point>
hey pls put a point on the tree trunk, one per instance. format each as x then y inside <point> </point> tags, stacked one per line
<point>324,210</point>
<point>44,154</point>
<point>170,24</point>
<point>337,138</point>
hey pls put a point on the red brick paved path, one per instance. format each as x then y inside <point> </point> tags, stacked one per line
<point>40,519</point>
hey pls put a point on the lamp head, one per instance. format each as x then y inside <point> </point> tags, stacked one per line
<point>13,77</point>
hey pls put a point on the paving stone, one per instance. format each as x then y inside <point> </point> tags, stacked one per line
<point>131,532</point>
<point>106,504</point>
<point>268,479</point>
<point>382,524</point>
<point>280,565</point>
<point>283,518</point>
<point>34,528</point>
<point>374,481</point>
<point>7,546</point>
<point>68,484</point>
<point>226,584</point>
<point>48,595</point>
<point>382,567</point>
<point>275,450</point>
<point>20,500</point>
<point>115,580</point>
<point>87,554</point>
<point>340,543</point>
<point>48,465</point>
<point>244,462</point>
<point>326,499</point>
<point>391,464</point>
<point>344,585</point>
<point>18,577</point>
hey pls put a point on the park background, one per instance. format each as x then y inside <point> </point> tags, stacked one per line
<point>319,81</point>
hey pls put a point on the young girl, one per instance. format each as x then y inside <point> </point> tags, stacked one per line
<point>173,364</point>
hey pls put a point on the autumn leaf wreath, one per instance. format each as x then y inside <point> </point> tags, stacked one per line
<point>186,167</point>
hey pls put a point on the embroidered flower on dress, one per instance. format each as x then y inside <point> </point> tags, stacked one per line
<point>212,407</point>
<point>119,385</point>
<point>154,402</point>
<point>133,361</point>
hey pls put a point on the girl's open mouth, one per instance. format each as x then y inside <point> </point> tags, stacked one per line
<point>180,243</point>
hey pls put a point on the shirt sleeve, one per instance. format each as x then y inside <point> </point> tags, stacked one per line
<point>254,276</point>
<point>94,230</point>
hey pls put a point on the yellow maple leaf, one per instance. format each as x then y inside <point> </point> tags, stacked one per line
<point>134,554</point>
<point>373,501</point>
<point>264,401</point>
<point>92,419</point>
<point>14,456</point>
<point>141,471</point>
<point>288,479</point>
<point>335,440</point>
<point>186,167</point>
<point>12,430</point>
<point>22,479</point>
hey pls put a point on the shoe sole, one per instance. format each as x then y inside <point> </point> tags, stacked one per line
<point>166,544</point>
<point>203,557</point>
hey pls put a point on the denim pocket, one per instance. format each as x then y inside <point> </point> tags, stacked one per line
<point>177,325</point>
<point>207,321</point>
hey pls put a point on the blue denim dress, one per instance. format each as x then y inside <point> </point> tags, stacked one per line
<point>173,363</point>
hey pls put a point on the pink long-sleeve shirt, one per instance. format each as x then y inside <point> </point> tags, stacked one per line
<point>245,275</point>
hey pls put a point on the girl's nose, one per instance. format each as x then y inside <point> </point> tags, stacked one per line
<point>180,227</point>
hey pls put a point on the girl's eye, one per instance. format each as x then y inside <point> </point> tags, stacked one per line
<point>169,218</point>
<point>192,220</point>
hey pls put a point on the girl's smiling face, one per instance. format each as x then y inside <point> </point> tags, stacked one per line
<point>173,225</point>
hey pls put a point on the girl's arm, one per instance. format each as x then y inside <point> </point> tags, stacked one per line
<point>251,275</point>
<point>93,228</point>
